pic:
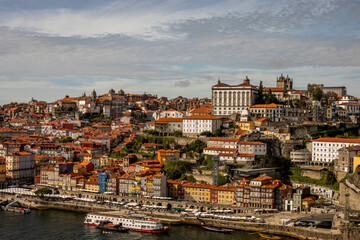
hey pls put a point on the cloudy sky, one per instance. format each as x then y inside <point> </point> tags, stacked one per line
<point>49,48</point>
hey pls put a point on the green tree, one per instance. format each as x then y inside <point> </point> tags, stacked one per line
<point>222,180</point>
<point>175,169</point>
<point>260,96</point>
<point>329,178</point>
<point>218,133</point>
<point>152,132</point>
<point>270,98</point>
<point>195,146</point>
<point>178,133</point>
<point>318,94</point>
<point>190,178</point>
<point>66,140</point>
<point>321,200</point>
<point>206,133</point>
<point>42,191</point>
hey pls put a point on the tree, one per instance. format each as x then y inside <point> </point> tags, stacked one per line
<point>206,133</point>
<point>318,94</point>
<point>152,132</point>
<point>66,140</point>
<point>42,191</point>
<point>195,146</point>
<point>190,178</point>
<point>321,200</point>
<point>218,133</point>
<point>178,133</point>
<point>260,95</point>
<point>209,164</point>
<point>270,98</point>
<point>330,97</point>
<point>329,178</point>
<point>175,169</point>
<point>222,180</point>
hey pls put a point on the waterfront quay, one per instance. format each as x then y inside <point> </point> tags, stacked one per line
<point>268,222</point>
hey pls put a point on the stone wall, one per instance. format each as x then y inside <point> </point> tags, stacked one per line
<point>296,232</point>
<point>311,174</point>
<point>354,195</point>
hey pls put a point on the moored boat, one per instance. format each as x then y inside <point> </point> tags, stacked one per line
<point>269,236</point>
<point>215,229</point>
<point>106,225</point>
<point>134,222</point>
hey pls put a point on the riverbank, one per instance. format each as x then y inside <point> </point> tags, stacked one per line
<point>176,219</point>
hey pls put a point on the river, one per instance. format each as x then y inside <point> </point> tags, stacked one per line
<point>53,224</point>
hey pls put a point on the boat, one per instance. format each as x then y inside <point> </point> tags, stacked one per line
<point>106,225</point>
<point>214,229</point>
<point>269,236</point>
<point>134,222</point>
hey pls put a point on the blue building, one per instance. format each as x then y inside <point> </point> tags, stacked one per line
<point>102,177</point>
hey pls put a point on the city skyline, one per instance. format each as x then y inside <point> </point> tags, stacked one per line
<point>172,48</point>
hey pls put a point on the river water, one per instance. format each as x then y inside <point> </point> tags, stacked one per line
<point>53,224</point>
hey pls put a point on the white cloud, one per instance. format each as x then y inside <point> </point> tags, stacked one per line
<point>193,43</point>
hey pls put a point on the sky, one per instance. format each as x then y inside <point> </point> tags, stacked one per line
<point>49,49</point>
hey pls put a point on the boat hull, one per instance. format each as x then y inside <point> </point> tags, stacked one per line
<point>164,230</point>
<point>217,230</point>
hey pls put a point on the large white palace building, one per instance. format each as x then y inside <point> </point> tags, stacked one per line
<point>229,99</point>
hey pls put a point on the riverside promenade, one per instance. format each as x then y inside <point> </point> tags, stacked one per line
<point>341,233</point>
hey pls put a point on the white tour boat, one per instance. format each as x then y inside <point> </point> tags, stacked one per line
<point>134,222</point>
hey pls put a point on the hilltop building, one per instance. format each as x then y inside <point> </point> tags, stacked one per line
<point>229,99</point>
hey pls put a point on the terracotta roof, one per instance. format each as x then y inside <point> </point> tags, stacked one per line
<point>261,119</point>
<point>274,89</point>
<point>341,140</point>
<point>251,143</point>
<point>17,120</point>
<point>271,105</point>
<point>224,139</point>
<point>201,110</point>
<point>202,117</point>
<point>221,149</point>
<point>221,85</point>
<point>167,120</point>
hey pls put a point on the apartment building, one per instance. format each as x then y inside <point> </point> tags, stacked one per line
<point>195,124</point>
<point>20,168</point>
<point>325,150</point>
<point>271,111</point>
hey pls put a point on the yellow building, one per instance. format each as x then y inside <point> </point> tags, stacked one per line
<point>92,185</point>
<point>2,171</point>
<point>175,188</point>
<point>356,162</point>
<point>246,125</point>
<point>164,156</point>
<point>278,134</point>
<point>329,113</point>
<point>225,195</point>
<point>197,192</point>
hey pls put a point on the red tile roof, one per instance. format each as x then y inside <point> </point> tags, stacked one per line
<point>202,117</point>
<point>271,105</point>
<point>167,120</point>
<point>341,140</point>
<point>224,139</point>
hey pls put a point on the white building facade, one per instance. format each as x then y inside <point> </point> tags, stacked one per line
<point>325,150</point>
<point>255,148</point>
<point>195,124</point>
<point>229,99</point>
